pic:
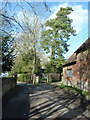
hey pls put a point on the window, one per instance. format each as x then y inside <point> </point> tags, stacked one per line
<point>69,73</point>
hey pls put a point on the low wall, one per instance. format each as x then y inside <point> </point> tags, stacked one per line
<point>78,84</point>
<point>7,84</point>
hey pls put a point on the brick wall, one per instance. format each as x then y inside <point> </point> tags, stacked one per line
<point>80,72</point>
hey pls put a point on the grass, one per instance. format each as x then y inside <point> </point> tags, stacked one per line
<point>81,92</point>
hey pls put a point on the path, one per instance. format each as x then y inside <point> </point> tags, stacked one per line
<point>45,101</point>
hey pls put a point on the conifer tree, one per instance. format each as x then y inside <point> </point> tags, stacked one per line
<point>56,37</point>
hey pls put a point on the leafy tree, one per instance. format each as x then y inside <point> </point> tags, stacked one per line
<point>7,44</point>
<point>7,54</point>
<point>55,38</point>
<point>10,20</point>
<point>22,78</point>
<point>38,66</point>
<point>29,40</point>
<point>23,64</point>
<point>47,67</point>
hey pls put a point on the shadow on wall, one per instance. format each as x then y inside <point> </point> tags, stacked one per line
<point>8,83</point>
<point>82,80</point>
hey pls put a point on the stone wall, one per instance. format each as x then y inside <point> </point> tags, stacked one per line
<point>7,84</point>
<point>80,72</point>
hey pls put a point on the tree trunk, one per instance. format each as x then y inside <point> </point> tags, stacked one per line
<point>34,65</point>
<point>53,56</point>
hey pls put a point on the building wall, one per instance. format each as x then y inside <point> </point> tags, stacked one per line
<point>80,72</point>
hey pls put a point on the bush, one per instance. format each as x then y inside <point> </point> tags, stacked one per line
<point>22,78</point>
<point>43,79</point>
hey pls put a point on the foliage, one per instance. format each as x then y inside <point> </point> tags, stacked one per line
<point>6,42</point>
<point>7,53</point>
<point>38,66</point>
<point>29,41</point>
<point>23,64</point>
<point>12,25</point>
<point>57,66</point>
<point>48,68</point>
<point>56,37</point>
<point>22,78</point>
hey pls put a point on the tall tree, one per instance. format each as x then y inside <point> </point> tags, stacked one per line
<point>7,53</point>
<point>23,63</point>
<point>55,38</point>
<point>7,44</point>
<point>11,19</point>
<point>11,9</point>
<point>31,37</point>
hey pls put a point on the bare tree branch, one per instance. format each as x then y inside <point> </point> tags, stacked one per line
<point>12,19</point>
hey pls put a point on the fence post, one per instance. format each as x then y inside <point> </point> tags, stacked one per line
<point>37,79</point>
<point>47,78</point>
<point>34,79</point>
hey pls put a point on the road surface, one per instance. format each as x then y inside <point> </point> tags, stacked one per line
<point>43,102</point>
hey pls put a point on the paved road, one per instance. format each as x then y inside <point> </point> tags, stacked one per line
<point>45,101</point>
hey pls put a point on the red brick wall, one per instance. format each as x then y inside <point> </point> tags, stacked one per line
<point>80,72</point>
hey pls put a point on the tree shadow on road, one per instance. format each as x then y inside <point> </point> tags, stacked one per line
<point>63,105</point>
<point>43,102</point>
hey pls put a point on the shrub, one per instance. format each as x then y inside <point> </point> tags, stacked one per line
<point>22,78</point>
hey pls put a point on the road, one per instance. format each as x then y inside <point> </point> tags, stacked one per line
<point>43,102</point>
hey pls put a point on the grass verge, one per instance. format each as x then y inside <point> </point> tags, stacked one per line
<point>81,92</point>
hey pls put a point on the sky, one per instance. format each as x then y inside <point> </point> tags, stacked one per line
<point>79,16</point>
<point>80,23</point>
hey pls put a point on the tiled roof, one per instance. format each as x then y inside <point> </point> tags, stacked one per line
<point>73,57</point>
<point>83,46</point>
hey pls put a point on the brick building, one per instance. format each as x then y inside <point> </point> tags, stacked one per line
<point>76,70</point>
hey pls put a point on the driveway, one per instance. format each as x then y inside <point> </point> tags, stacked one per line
<point>43,102</point>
